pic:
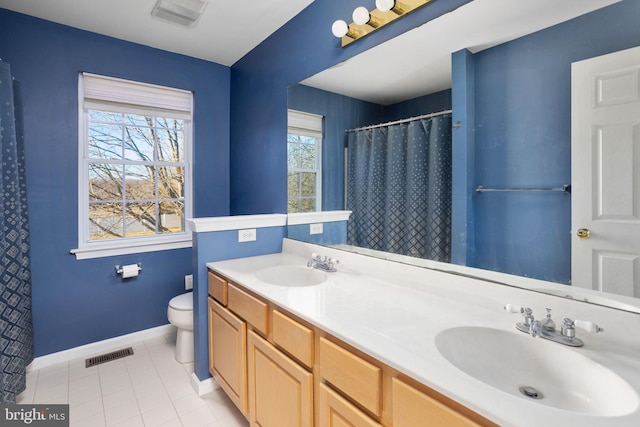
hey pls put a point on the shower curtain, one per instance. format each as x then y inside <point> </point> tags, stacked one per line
<point>399,188</point>
<point>16,334</point>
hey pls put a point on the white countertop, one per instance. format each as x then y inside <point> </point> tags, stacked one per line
<point>393,312</point>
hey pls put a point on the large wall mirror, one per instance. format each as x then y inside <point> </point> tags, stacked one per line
<point>505,71</point>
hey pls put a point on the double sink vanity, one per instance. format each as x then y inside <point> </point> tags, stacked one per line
<point>379,343</point>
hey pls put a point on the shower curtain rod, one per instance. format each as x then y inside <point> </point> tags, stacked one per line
<point>410,119</point>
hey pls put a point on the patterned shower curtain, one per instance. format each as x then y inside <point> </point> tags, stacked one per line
<point>16,334</point>
<point>399,188</point>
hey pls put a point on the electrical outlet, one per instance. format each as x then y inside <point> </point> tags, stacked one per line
<point>248,235</point>
<point>316,228</point>
<point>188,282</point>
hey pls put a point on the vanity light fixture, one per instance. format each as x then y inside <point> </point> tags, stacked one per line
<point>361,16</point>
<point>366,22</point>
<point>390,5</point>
<point>342,29</point>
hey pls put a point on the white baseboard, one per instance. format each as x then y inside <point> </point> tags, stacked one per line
<point>98,347</point>
<point>205,386</point>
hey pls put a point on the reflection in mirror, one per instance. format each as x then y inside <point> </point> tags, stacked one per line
<point>304,162</point>
<point>507,76</point>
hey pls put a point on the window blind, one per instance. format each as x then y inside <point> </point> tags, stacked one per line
<point>304,123</point>
<point>100,92</point>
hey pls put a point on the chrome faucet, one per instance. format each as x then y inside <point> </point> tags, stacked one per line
<point>327,264</point>
<point>547,328</point>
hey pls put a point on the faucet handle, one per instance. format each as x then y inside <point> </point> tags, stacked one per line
<point>527,314</point>
<point>588,326</point>
<point>512,308</point>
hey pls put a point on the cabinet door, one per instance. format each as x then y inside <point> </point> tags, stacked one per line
<point>227,353</point>
<point>335,411</point>
<point>280,391</point>
<point>412,408</point>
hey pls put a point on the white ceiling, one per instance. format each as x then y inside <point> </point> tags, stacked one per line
<point>419,62</point>
<point>227,30</point>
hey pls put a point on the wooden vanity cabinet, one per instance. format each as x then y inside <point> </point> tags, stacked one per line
<point>283,372</point>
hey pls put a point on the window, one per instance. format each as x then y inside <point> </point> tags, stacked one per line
<point>134,172</point>
<point>304,162</point>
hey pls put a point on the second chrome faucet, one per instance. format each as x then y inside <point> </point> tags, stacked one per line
<point>327,264</point>
<point>547,327</point>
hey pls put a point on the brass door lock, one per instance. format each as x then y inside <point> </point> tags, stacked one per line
<point>584,233</point>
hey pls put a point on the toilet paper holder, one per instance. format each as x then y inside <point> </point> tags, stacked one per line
<point>119,269</point>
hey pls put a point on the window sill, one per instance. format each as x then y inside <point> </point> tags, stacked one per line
<point>100,250</point>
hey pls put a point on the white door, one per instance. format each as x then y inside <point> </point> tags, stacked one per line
<point>605,162</point>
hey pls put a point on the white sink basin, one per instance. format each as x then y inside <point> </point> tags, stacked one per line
<point>285,275</point>
<point>562,377</point>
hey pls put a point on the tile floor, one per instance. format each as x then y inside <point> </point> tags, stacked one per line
<point>148,388</point>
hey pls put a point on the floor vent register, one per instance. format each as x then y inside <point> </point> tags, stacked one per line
<point>108,357</point>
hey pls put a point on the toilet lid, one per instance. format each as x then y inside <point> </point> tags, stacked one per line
<point>182,302</point>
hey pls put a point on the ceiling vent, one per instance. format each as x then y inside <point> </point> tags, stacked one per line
<point>181,12</point>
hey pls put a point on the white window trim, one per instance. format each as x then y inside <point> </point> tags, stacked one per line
<point>309,124</point>
<point>128,93</point>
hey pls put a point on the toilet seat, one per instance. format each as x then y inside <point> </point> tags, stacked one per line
<point>182,302</point>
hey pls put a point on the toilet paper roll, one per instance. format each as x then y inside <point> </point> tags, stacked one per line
<point>130,270</point>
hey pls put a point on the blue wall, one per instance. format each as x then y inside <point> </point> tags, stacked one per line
<point>432,103</point>
<point>523,138</point>
<point>463,158</point>
<point>79,302</point>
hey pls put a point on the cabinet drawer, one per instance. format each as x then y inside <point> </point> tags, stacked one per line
<point>293,337</point>
<point>354,376</point>
<point>217,288</point>
<point>248,307</point>
<point>412,408</point>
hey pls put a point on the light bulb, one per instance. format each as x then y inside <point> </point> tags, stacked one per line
<point>339,28</point>
<point>361,15</point>
<point>385,5</point>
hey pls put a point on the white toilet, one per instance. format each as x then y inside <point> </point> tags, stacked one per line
<point>180,314</point>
